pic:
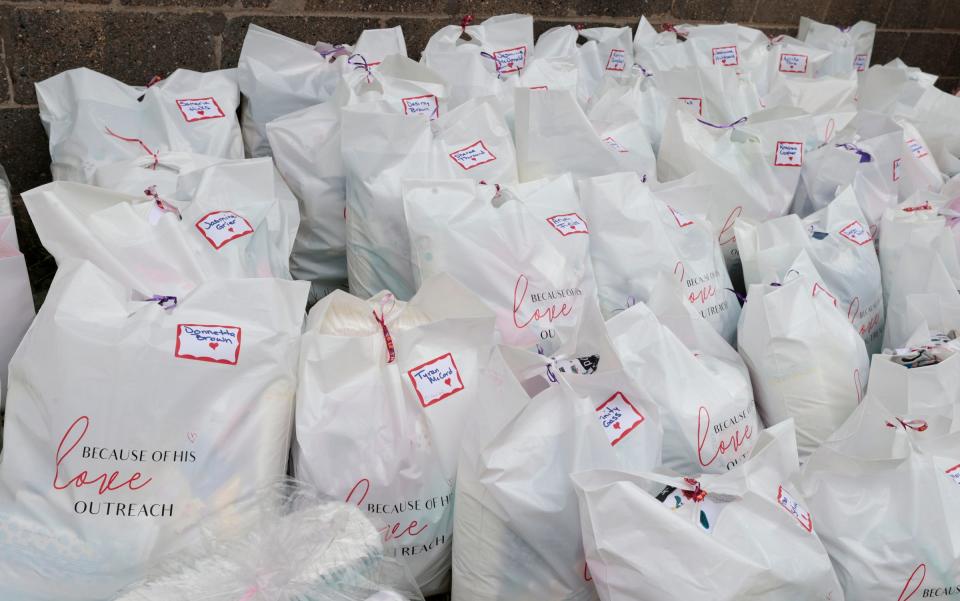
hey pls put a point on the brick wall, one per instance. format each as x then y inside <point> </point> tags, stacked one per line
<point>133,40</point>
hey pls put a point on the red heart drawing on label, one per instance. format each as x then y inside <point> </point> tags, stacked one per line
<point>200,113</point>
<point>229,229</point>
<point>447,381</point>
<point>192,436</point>
<point>214,345</point>
<point>616,426</point>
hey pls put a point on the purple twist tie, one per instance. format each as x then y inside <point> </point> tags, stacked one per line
<point>740,297</point>
<point>864,155</point>
<point>328,50</point>
<point>363,64</point>
<point>734,124</point>
<point>166,302</point>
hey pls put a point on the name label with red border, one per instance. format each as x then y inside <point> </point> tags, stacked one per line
<point>789,154</point>
<point>510,60</point>
<point>860,62</point>
<point>728,56</point>
<point>793,63</point>
<point>615,145</point>
<point>694,103</point>
<point>682,220</point>
<point>617,61</point>
<point>618,417</point>
<point>568,224</point>
<point>856,233</point>
<point>436,380</point>
<point>795,509</point>
<point>422,105</point>
<point>917,149</point>
<point>954,474</point>
<point>221,227</point>
<point>896,169</point>
<point>200,109</point>
<point>211,343</point>
<point>473,156</point>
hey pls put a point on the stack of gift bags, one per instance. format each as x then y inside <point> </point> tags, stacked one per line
<point>605,315</point>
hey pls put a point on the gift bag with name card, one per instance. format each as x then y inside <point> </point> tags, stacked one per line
<point>16,300</point>
<point>310,137</point>
<point>523,249</point>
<point>280,75</point>
<point>386,391</point>
<point>885,491</point>
<point>805,358</point>
<point>837,240</point>
<point>516,530</point>
<point>751,532</point>
<point>224,221</point>
<point>92,119</point>
<point>636,237</point>
<point>851,46</point>
<point>381,151</point>
<point>697,380</point>
<point>159,419</point>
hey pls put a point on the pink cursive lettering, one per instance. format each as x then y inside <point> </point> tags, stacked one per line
<point>106,482</point>
<point>726,236</point>
<point>390,531</point>
<point>920,573</point>
<point>550,313</point>
<point>736,440</point>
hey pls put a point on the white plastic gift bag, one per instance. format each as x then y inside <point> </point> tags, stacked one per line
<point>524,250</point>
<point>918,167</point>
<point>613,48</point>
<point>925,373</point>
<point>227,225</point>
<point>885,491</point>
<point>920,275</point>
<point>16,299</point>
<point>160,419</point>
<point>654,52</point>
<point>385,392</point>
<point>745,535</point>
<point>516,531</point>
<point>555,137</point>
<point>866,154</point>
<point>851,46</point>
<point>838,242</point>
<point>279,75</point>
<point>382,150</point>
<point>764,153</point>
<point>635,237</point>
<point>627,101</point>
<point>697,380</point>
<point>805,358</point>
<point>302,140</point>
<point>92,119</point>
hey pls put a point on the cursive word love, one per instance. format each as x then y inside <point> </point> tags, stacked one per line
<point>736,440</point>
<point>551,312</point>
<point>702,295</point>
<point>391,531</point>
<point>106,482</point>
<point>918,575</point>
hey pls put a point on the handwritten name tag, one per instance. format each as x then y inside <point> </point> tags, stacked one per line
<point>789,154</point>
<point>617,60</point>
<point>422,105</point>
<point>693,104</point>
<point>199,109</point>
<point>221,227</point>
<point>615,145</point>
<point>215,344</point>
<point>618,417</point>
<point>510,60</point>
<point>795,509</point>
<point>916,148</point>
<point>819,289</point>
<point>954,474</point>
<point>860,62</point>
<point>472,156</point>
<point>728,56</point>
<point>568,223</point>
<point>793,63</point>
<point>896,169</point>
<point>856,233</point>
<point>436,379</point>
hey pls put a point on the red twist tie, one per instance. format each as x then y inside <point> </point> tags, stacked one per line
<point>381,319</point>
<point>155,80</point>
<point>697,495</point>
<point>162,204</point>
<point>156,159</point>
<point>917,425</point>
<point>465,22</point>
<point>580,26</point>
